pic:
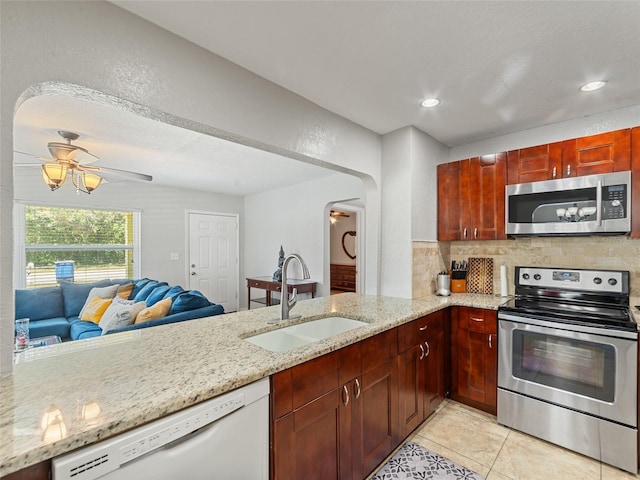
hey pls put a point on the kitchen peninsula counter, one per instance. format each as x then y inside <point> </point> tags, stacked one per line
<point>131,378</point>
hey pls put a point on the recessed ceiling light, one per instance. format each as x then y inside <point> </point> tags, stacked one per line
<point>430,102</point>
<point>591,86</point>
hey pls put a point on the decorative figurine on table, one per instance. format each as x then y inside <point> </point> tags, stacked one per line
<point>277,275</point>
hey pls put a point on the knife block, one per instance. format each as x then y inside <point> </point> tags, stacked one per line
<point>458,286</point>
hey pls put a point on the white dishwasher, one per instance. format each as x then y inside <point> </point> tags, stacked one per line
<point>226,437</point>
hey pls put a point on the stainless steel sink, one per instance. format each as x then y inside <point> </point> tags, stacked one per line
<point>295,336</point>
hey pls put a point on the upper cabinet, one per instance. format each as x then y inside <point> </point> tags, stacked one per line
<point>534,164</point>
<point>449,201</point>
<point>471,198</point>
<point>635,182</point>
<point>471,192</point>
<point>602,153</point>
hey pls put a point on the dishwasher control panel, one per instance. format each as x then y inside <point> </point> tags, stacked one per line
<point>97,460</point>
<point>170,433</point>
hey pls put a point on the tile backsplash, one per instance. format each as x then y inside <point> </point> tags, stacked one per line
<point>604,252</point>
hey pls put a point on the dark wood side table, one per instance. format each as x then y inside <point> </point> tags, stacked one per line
<point>267,284</point>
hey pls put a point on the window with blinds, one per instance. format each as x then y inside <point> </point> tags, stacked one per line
<point>77,245</point>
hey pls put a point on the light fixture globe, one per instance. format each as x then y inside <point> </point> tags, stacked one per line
<point>91,181</point>
<point>54,174</point>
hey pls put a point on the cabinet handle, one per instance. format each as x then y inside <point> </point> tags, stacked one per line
<point>428,349</point>
<point>476,319</point>
<point>345,395</point>
<point>356,389</point>
<point>568,170</point>
<point>421,352</point>
<point>422,329</point>
<point>490,345</point>
<point>554,172</point>
<point>464,233</point>
<point>475,232</point>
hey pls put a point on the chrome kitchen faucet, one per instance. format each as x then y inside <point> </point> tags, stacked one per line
<point>286,303</point>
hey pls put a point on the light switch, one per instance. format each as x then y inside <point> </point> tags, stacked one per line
<point>174,256</point>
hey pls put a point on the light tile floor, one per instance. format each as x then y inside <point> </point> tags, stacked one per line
<point>474,440</point>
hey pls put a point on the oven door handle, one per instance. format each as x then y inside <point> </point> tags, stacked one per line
<point>569,327</point>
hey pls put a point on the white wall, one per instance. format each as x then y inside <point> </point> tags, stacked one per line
<point>163,215</point>
<point>395,254</point>
<point>409,206</point>
<point>100,46</point>
<point>426,154</point>
<point>579,127</point>
<point>279,217</point>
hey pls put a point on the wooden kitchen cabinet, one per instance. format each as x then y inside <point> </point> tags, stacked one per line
<point>377,427</point>
<point>474,357</point>
<point>471,199</point>
<point>336,416</point>
<point>635,182</point>
<point>422,369</point>
<point>602,153</point>
<point>534,164</point>
<point>449,201</point>
<point>39,471</point>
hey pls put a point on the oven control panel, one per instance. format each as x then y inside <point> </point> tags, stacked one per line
<point>606,281</point>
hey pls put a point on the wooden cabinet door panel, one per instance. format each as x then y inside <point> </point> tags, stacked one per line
<point>411,396</point>
<point>601,153</point>
<point>635,179</point>
<point>307,442</point>
<point>379,427</point>
<point>486,203</point>
<point>534,164</point>
<point>434,373</point>
<point>475,375</point>
<point>449,201</point>
<point>474,358</point>
<point>491,373</point>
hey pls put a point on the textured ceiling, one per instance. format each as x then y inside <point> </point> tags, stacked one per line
<point>498,67</point>
<point>173,156</point>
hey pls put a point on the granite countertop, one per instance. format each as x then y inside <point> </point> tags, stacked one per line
<point>130,378</point>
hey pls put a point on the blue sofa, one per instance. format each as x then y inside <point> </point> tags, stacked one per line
<point>55,310</point>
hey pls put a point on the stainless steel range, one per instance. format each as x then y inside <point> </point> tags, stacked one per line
<point>567,362</point>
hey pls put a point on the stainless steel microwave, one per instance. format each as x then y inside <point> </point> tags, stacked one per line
<point>588,205</point>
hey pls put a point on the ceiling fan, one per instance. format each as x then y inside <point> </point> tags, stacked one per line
<point>74,161</point>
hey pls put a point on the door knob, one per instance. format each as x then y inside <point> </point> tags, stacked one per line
<point>193,265</point>
<point>193,273</point>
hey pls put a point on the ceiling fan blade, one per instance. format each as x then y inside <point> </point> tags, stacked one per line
<point>20,160</point>
<point>82,156</point>
<point>118,174</point>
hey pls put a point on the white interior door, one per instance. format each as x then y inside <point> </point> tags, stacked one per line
<point>213,258</point>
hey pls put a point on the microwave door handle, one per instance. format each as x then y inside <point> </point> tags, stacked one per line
<point>599,203</point>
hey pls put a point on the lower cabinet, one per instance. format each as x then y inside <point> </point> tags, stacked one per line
<point>422,369</point>
<point>340,415</point>
<point>474,357</point>
<point>337,416</point>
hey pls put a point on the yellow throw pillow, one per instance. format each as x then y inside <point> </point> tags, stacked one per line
<point>154,312</point>
<point>125,290</point>
<point>94,309</point>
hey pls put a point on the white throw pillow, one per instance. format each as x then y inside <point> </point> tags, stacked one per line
<point>120,314</point>
<point>100,292</point>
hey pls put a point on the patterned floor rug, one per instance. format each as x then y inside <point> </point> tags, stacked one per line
<point>413,461</point>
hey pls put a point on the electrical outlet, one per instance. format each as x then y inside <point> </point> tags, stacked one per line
<point>174,256</point>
